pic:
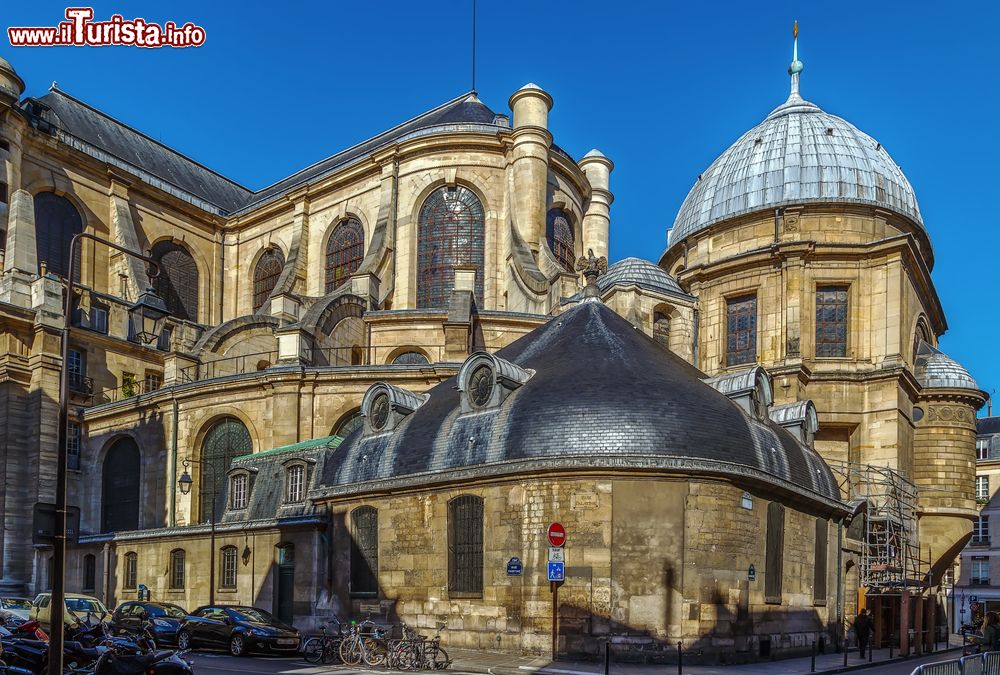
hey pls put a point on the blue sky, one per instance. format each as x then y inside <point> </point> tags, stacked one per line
<point>660,87</point>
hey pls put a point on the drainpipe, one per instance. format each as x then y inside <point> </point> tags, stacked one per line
<point>695,333</point>
<point>777,219</point>
<point>173,465</point>
<point>840,583</point>
<point>107,574</point>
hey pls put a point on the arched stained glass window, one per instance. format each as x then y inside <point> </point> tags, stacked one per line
<point>349,424</point>
<point>120,487</point>
<point>177,282</point>
<point>450,234</point>
<point>344,252</point>
<point>562,243</point>
<point>410,359</point>
<point>265,275</point>
<point>56,221</point>
<point>225,441</point>
<point>364,551</point>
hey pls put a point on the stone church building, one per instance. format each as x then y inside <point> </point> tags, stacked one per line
<point>385,375</point>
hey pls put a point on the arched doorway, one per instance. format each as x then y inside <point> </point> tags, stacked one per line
<point>120,487</point>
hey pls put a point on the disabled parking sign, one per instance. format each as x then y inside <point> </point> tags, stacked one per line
<point>557,571</point>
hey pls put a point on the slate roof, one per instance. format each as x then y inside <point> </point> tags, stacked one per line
<point>642,273</point>
<point>602,395</point>
<point>988,425</point>
<point>114,141</point>
<point>798,154</point>
<point>462,110</point>
<point>139,150</point>
<point>935,369</point>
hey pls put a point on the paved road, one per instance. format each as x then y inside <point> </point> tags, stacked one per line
<point>207,663</point>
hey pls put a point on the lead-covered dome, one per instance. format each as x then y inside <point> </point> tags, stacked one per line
<point>798,154</point>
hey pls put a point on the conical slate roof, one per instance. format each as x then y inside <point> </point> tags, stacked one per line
<point>641,273</point>
<point>602,394</point>
<point>935,369</point>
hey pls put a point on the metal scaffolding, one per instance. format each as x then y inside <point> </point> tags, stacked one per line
<point>890,551</point>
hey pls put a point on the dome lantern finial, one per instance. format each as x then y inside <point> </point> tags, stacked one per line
<point>796,66</point>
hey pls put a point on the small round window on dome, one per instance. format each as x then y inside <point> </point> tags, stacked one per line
<point>481,386</point>
<point>378,416</point>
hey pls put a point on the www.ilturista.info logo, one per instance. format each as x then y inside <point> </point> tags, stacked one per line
<point>80,30</point>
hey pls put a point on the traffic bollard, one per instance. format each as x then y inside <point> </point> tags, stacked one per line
<point>847,650</point>
<point>607,657</point>
<point>812,662</point>
<point>890,648</point>
<point>871,649</point>
<point>679,658</point>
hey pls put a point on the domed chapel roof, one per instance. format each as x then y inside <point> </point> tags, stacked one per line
<point>600,395</point>
<point>798,154</point>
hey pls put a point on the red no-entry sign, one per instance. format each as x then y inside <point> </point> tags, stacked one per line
<point>557,534</point>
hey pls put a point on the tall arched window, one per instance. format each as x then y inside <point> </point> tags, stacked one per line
<point>226,440</point>
<point>413,358</point>
<point>120,487</point>
<point>451,233</point>
<point>177,560</point>
<point>56,221</point>
<point>177,282</point>
<point>364,551</point>
<point>130,575</point>
<point>265,275</point>
<point>465,546</point>
<point>661,328</point>
<point>922,334</point>
<point>344,252</point>
<point>227,567</point>
<point>562,243</point>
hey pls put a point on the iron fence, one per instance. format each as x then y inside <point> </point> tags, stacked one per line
<point>987,663</point>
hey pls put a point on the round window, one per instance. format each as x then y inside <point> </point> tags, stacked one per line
<point>481,386</point>
<point>378,416</point>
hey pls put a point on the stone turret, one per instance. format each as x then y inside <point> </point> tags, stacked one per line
<point>530,162</point>
<point>597,218</point>
<point>944,454</point>
<point>11,84</point>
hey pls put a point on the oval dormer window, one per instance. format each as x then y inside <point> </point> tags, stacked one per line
<point>481,386</point>
<point>379,412</point>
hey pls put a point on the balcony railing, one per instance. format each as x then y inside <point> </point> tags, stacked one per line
<point>81,385</point>
<point>979,541</point>
<point>127,390</point>
<point>979,581</point>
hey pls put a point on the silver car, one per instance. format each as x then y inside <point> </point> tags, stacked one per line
<point>79,607</point>
<point>18,607</point>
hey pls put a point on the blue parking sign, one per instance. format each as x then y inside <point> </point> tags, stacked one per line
<point>557,571</point>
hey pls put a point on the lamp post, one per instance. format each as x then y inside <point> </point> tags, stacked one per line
<point>186,482</point>
<point>146,319</point>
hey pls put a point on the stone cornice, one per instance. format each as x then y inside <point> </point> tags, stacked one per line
<point>586,466</point>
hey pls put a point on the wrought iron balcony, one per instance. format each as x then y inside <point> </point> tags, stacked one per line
<point>979,541</point>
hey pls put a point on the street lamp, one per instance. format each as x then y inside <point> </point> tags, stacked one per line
<point>185,482</point>
<point>150,312</point>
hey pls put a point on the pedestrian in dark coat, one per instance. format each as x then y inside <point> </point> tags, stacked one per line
<point>863,627</point>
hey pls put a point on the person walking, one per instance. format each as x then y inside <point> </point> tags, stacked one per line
<point>863,627</point>
<point>989,641</point>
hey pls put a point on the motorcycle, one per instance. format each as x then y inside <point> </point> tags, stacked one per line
<point>150,663</point>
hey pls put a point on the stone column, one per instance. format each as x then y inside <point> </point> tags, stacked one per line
<point>530,162</point>
<point>597,217</point>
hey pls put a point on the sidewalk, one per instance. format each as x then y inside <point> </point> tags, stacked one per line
<point>498,663</point>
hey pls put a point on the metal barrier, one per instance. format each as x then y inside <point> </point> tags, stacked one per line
<point>974,664</point>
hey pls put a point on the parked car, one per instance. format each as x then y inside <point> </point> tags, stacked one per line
<point>238,629</point>
<point>80,607</point>
<point>19,607</point>
<point>161,618</point>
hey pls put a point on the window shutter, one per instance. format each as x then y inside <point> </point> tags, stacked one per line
<point>774,556</point>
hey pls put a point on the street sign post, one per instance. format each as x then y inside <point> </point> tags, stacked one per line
<point>557,571</point>
<point>514,567</point>
<point>557,534</point>
<point>557,554</point>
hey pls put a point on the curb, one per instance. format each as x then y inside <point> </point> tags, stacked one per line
<point>898,659</point>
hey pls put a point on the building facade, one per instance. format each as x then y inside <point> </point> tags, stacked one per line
<point>391,264</point>
<point>977,586</point>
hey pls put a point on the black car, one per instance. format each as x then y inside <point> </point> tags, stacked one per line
<point>161,618</point>
<point>238,629</point>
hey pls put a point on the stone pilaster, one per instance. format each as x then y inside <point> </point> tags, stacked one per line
<point>126,235</point>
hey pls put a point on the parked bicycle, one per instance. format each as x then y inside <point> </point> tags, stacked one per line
<point>324,648</point>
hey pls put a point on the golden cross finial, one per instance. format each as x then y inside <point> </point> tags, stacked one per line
<point>795,29</point>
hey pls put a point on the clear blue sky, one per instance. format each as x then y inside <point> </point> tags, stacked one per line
<point>660,87</point>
